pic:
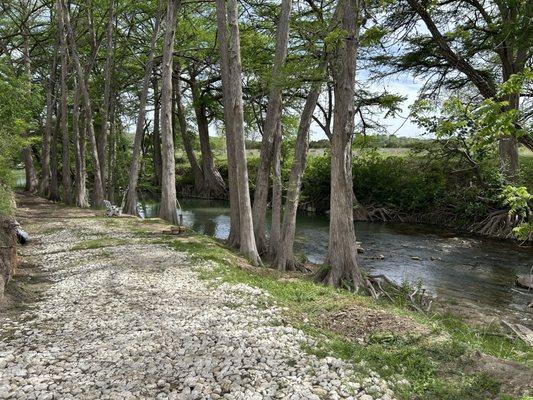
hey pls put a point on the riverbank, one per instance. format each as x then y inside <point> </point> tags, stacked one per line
<point>118,299</point>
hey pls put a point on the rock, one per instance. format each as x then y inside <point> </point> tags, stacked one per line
<point>525,281</point>
<point>415,258</point>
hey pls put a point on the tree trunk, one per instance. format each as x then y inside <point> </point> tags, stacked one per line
<point>78,134</point>
<point>112,153</point>
<point>285,257</point>
<point>98,194</point>
<point>247,240</point>
<point>63,109</point>
<point>167,209</point>
<point>275,227</point>
<point>48,129</point>
<point>342,250</point>
<point>130,205</point>
<point>102,139</point>
<point>32,182</point>
<point>54,183</point>
<point>223,37</point>
<point>273,115</point>
<point>158,166</point>
<point>213,184</point>
<point>186,139</point>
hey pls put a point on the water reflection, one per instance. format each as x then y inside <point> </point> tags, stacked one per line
<point>480,271</point>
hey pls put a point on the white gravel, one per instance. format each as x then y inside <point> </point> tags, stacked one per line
<point>135,321</point>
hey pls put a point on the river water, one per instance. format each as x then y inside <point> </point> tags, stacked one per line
<point>475,272</point>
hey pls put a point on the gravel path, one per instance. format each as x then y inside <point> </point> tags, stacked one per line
<point>135,321</point>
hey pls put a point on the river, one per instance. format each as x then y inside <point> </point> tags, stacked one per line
<point>472,272</point>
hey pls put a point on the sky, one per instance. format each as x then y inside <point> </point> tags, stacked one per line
<point>406,86</point>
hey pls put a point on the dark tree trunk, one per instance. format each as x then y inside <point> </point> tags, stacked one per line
<point>342,251</point>
<point>168,210</point>
<point>48,129</point>
<point>32,183</point>
<point>63,109</point>
<point>213,184</point>
<point>273,116</point>
<point>186,139</point>
<point>102,139</point>
<point>130,205</point>
<point>112,153</point>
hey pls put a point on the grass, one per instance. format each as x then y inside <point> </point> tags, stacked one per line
<point>99,243</point>
<point>435,365</point>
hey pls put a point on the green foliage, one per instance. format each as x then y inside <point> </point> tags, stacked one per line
<point>17,108</point>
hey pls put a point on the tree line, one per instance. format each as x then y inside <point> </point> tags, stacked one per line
<point>120,84</point>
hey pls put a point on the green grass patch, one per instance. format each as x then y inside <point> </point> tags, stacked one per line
<point>434,365</point>
<point>99,243</point>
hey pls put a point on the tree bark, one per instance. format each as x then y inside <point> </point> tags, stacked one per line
<point>186,139</point>
<point>98,193</point>
<point>223,38</point>
<point>112,152</point>
<point>342,251</point>
<point>213,184</point>
<point>54,182</point>
<point>167,209</point>
<point>158,166</point>
<point>108,70</point>
<point>284,259</point>
<point>273,115</point>
<point>275,226</point>
<point>78,136</point>
<point>130,206</point>
<point>63,109</point>
<point>32,183</point>
<point>230,54</point>
<point>48,129</point>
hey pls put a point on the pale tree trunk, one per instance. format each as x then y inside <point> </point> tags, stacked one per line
<point>108,70</point>
<point>273,115</point>
<point>98,193</point>
<point>342,251</point>
<point>112,153</point>
<point>63,108</point>
<point>186,139</point>
<point>48,130</point>
<point>32,182</point>
<point>130,206</point>
<point>167,209</point>
<point>284,259</point>
<point>223,37</point>
<point>213,184</point>
<point>158,169</point>
<point>247,244</point>
<point>54,183</point>
<point>275,228</point>
<point>78,136</point>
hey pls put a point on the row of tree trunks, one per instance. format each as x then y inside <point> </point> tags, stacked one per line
<point>167,209</point>
<point>130,205</point>
<point>273,116</point>
<point>98,191</point>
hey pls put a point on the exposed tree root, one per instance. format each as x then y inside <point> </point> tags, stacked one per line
<point>497,224</point>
